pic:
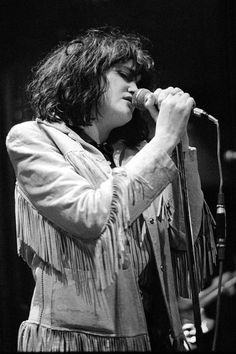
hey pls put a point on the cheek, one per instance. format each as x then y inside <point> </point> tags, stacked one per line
<point>109,99</point>
<point>104,99</point>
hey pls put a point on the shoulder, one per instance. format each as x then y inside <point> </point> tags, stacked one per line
<point>28,136</point>
<point>22,128</point>
<point>37,138</point>
<point>24,131</point>
<point>34,132</point>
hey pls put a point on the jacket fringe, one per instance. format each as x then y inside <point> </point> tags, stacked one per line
<point>205,257</point>
<point>97,261</point>
<point>38,338</point>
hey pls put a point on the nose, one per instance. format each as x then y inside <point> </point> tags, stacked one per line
<point>132,87</point>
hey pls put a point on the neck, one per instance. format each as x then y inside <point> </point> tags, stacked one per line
<point>96,132</point>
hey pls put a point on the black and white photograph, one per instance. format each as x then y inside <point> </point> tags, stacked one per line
<point>117,176</point>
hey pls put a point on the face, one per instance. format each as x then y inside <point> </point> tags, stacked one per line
<point>116,108</point>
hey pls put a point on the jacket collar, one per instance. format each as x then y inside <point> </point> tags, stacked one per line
<point>62,127</point>
<point>103,151</point>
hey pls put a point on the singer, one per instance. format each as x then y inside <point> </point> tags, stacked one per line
<point>99,218</point>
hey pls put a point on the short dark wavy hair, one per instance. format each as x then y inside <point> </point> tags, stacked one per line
<point>69,82</point>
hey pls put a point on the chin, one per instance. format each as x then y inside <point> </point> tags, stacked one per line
<point>126,118</point>
<point>121,117</point>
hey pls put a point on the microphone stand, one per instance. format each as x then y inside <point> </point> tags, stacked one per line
<point>190,249</point>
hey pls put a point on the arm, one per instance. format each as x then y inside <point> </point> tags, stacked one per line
<point>66,197</point>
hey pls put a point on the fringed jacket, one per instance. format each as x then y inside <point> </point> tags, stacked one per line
<point>74,218</point>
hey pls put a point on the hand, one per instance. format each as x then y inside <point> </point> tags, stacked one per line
<point>207,324</point>
<point>174,111</point>
<point>187,319</point>
<point>154,99</point>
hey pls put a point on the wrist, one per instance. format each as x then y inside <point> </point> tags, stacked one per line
<point>165,142</point>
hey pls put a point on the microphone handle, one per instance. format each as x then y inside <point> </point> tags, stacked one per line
<point>139,98</point>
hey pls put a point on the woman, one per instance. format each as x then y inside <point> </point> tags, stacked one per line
<point>98,210</point>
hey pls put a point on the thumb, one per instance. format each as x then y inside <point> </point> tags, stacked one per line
<point>150,105</point>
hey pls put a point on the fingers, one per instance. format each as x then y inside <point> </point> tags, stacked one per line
<point>182,102</point>
<point>163,94</point>
<point>174,112</point>
<point>159,95</point>
<point>152,105</point>
<point>154,99</point>
<point>189,332</point>
<point>170,109</point>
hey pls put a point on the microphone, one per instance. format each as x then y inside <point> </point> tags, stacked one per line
<point>140,96</point>
<point>230,156</point>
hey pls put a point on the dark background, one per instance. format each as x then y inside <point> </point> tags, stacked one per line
<point>194,44</point>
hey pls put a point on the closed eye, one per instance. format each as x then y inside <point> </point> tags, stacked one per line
<point>126,75</point>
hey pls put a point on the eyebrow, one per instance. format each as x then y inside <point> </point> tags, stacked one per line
<point>123,66</point>
<point>133,72</point>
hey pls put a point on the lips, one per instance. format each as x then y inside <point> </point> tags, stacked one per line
<point>129,99</point>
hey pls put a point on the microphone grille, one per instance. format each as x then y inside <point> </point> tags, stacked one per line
<point>138,99</point>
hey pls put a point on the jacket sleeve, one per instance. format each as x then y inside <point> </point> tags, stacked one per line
<point>52,173</point>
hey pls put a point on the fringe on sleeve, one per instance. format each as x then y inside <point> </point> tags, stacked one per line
<point>97,261</point>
